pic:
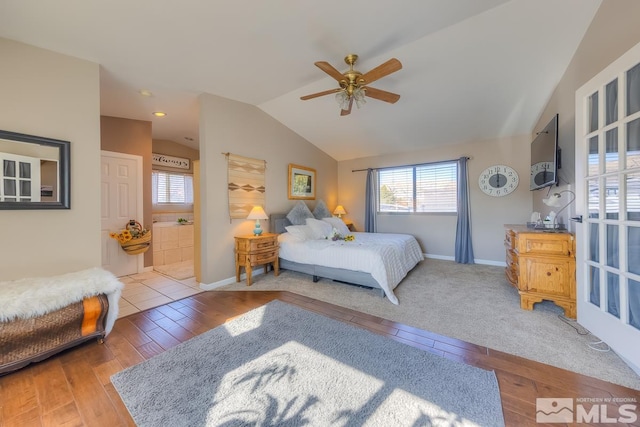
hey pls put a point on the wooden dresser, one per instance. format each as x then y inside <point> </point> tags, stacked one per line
<point>256,250</point>
<point>542,266</point>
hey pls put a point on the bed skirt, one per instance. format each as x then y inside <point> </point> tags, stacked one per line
<point>358,278</point>
<point>24,341</point>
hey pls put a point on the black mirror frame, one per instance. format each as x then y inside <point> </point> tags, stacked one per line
<point>64,148</point>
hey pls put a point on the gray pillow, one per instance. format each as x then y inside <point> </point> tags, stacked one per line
<point>299,213</point>
<point>321,210</point>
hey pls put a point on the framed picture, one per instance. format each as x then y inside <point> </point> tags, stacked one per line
<point>302,182</point>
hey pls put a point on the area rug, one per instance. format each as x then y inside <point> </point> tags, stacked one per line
<point>286,366</point>
<point>178,270</point>
<point>472,303</point>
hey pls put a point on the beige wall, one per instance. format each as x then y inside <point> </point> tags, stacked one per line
<point>132,137</point>
<point>613,31</point>
<point>436,232</point>
<point>55,96</point>
<point>230,126</point>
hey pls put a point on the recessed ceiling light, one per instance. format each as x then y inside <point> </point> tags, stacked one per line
<point>145,92</point>
<point>159,114</point>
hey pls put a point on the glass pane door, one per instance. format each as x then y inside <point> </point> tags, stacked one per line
<point>608,184</point>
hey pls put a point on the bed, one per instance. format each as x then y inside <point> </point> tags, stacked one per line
<point>373,260</point>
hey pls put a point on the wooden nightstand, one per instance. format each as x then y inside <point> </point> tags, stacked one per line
<point>349,224</point>
<point>256,250</point>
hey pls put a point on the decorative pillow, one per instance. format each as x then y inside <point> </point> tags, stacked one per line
<point>300,232</point>
<point>338,224</point>
<point>319,229</point>
<point>299,213</point>
<point>321,210</point>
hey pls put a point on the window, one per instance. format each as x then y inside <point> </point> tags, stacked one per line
<point>422,188</point>
<point>172,188</point>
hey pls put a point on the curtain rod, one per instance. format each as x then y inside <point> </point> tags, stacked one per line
<point>416,164</point>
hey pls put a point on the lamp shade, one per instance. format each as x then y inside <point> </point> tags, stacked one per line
<point>257,213</point>
<point>339,210</point>
<point>553,200</point>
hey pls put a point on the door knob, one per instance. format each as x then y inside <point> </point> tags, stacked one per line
<point>577,218</point>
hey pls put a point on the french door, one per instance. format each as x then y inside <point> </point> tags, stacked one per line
<point>608,196</point>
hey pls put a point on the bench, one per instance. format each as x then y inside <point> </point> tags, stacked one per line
<point>42,316</point>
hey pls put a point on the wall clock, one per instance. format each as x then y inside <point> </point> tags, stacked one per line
<point>498,180</point>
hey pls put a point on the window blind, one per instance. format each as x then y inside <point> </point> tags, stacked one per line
<point>421,188</point>
<point>172,188</point>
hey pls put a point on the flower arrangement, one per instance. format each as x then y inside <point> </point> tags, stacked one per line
<point>134,239</point>
<point>182,221</point>
<point>337,236</point>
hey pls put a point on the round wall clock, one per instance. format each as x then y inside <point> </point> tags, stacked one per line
<point>498,180</point>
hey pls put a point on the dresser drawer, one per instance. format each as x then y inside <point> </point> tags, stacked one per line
<point>510,239</point>
<point>263,257</point>
<point>256,245</point>
<point>512,258</point>
<point>561,244</point>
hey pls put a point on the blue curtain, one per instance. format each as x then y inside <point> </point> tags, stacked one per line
<point>464,247</point>
<point>370,208</point>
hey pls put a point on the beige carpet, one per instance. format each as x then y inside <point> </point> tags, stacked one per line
<point>473,303</point>
<point>178,270</point>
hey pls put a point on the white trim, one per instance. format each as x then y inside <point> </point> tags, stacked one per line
<point>477,261</point>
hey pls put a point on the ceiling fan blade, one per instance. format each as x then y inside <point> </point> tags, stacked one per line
<point>315,95</point>
<point>391,66</point>
<point>382,95</point>
<point>348,111</point>
<point>329,69</point>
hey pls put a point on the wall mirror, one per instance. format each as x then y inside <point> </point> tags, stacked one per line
<point>34,172</point>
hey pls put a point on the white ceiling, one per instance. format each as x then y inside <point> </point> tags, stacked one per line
<point>472,69</point>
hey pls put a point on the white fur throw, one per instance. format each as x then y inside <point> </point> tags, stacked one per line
<point>33,297</point>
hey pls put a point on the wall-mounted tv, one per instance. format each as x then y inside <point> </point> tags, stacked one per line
<point>545,157</point>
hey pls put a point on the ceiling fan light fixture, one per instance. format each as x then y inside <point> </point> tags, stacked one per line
<point>358,96</point>
<point>342,98</point>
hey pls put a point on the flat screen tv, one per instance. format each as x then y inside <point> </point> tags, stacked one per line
<point>545,157</point>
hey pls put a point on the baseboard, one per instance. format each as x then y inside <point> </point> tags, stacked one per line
<point>477,261</point>
<point>228,281</point>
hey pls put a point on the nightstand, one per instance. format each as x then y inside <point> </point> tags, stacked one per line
<point>253,250</point>
<point>349,224</point>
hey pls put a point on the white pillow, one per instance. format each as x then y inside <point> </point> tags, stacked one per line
<point>300,232</point>
<point>320,229</point>
<point>338,224</point>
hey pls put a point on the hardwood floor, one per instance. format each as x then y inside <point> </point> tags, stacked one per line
<point>73,388</point>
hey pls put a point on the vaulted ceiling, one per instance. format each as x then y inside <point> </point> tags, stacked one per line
<point>472,69</point>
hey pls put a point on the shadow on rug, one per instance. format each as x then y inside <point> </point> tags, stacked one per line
<point>283,365</point>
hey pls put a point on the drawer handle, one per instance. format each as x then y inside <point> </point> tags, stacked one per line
<point>548,273</point>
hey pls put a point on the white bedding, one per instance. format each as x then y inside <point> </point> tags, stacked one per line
<point>387,257</point>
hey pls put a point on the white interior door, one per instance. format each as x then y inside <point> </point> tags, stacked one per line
<point>608,197</point>
<point>121,201</point>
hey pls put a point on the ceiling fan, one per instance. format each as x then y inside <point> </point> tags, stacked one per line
<point>354,84</point>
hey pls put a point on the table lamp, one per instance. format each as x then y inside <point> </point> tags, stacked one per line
<point>339,210</point>
<point>257,213</point>
<point>556,200</point>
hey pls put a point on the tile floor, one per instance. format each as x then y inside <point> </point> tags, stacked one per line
<point>151,289</point>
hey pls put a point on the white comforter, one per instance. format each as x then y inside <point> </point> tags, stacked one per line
<point>387,257</point>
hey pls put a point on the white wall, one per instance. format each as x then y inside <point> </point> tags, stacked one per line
<point>55,96</point>
<point>243,129</point>
<point>436,232</point>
